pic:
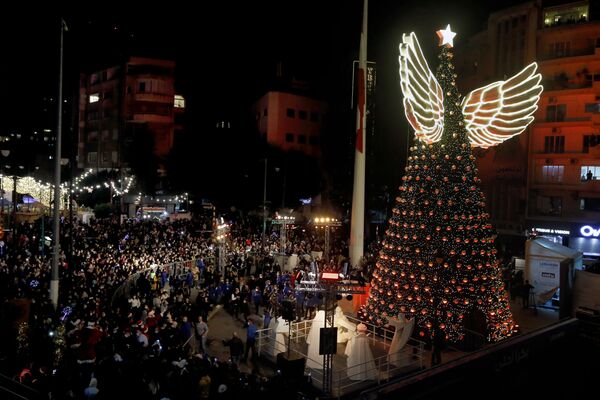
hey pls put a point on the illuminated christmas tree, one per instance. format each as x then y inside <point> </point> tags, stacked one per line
<point>438,260</point>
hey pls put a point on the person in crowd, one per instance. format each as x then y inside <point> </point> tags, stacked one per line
<point>236,347</point>
<point>202,334</point>
<point>250,339</point>
<point>526,292</point>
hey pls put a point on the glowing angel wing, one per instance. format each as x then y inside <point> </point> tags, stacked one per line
<point>423,96</point>
<point>503,109</point>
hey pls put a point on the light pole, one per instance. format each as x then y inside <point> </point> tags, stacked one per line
<point>5,153</point>
<point>222,231</point>
<point>56,236</point>
<point>264,229</point>
<point>283,221</point>
<point>326,223</point>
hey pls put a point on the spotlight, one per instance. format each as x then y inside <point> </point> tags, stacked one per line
<point>349,297</point>
<point>338,296</point>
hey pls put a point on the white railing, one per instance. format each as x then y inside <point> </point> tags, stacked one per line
<point>383,368</point>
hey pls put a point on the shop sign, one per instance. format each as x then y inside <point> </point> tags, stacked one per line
<point>589,231</point>
<point>554,231</point>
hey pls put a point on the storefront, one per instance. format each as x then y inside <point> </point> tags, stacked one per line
<point>583,237</point>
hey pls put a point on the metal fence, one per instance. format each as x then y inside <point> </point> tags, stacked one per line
<point>345,379</point>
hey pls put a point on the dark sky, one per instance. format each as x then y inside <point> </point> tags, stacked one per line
<point>226,52</point>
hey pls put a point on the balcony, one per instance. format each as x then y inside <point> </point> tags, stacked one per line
<point>586,51</point>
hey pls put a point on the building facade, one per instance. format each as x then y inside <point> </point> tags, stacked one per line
<point>291,122</point>
<point>123,103</point>
<point>544,180</point>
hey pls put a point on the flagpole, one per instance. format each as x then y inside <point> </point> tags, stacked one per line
<point>57,157</point>
<point>357,221</point>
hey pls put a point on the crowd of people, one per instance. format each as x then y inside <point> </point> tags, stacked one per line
<point>127,323</point>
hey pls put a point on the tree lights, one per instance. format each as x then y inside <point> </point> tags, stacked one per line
<point>438,261</point>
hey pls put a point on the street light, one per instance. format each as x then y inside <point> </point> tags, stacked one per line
<point>283,221</point>
<point>221,237</point>
<point>326,223</point>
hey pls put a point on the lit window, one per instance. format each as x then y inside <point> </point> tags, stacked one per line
<point>179,101</point>
<point>553,173</point>
<point>94,97</point>
<point>590,172</point>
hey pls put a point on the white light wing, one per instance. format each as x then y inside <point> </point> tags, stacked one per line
<point>503,109</point>
<point>423,96</point>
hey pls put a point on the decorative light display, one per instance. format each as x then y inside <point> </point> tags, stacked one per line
<point>492,114</point>
<point>438,261</point>
<point>44,192</point>
<point>503,109</point>
<point>423,96</point>
<point>446,36</point>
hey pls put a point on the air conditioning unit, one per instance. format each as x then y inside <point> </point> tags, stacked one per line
<point>555,129</point>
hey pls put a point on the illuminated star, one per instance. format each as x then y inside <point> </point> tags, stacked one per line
<point>446,36</point>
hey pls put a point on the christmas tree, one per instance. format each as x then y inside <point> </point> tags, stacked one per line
<point>438,260</point>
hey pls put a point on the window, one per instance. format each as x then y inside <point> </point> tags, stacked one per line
<point>115,157</point>
<point>554,144</point>
<point>314,140</point>
<point>108,94</point>
<point>590,141</point>
<point>92,157</point>
<point>265,112</point>
<point>142,87</point>
<point>589,204</point>
<point>302,114</point>
<point>556,113</point>
<point>553,173</point>
<point>302,139</point>
<point>115,134</point>
<point>92,136</point>
<point>547,205</point>
<point>94,97</point>
<point>105,156</point>
<point>592,107</point>
<point>560,49</point>
<point>291,113</point>
<point>289,137</point>
<point>590,172</point>
<point>179,101</point>
<point>314,117</point>
<point>105,135</point>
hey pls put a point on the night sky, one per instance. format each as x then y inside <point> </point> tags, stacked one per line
<point>227,53</point>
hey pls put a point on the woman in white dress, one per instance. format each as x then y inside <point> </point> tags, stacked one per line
<point>315,360</point>
<point>360,362</point>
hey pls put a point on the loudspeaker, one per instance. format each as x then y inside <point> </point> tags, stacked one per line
<point>328,341</point>
<point>287,310</point>
<point>293,368</point>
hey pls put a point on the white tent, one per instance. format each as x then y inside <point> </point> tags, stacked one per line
<point>550,266</point>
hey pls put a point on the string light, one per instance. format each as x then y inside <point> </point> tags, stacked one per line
<point>503,109</point>
<point>492,114</point>
<point>423,96</point>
